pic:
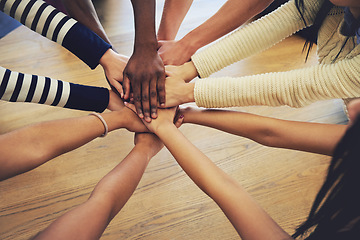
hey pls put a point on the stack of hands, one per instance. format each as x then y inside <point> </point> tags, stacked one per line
<point>147,84</point>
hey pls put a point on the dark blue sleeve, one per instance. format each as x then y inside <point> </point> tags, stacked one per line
<point>85,44</point>
<point>58,27</point>
<point>87,98</point>
<point>22,87</point>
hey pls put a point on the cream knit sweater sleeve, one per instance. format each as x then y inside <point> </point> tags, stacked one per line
<point>255,37</point>
<point>294,88</point>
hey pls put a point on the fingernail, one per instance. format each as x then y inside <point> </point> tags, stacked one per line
<point>181,116</point>
<point>163,104</point>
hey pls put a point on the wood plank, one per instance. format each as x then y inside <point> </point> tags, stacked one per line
<point>166,204</point>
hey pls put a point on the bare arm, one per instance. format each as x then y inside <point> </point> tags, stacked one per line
<point>89,220</point>
<point>304,136</point>
<point>247,217</point>
<point>145,71</point>
<point>29,147</point>
<point>230,16</point>
<point>172,17</point>
<point>84,12</point>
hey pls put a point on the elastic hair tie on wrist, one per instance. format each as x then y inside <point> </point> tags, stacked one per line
<point>103,122</point>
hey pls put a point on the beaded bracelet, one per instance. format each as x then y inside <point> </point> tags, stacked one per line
<point>103,121</point>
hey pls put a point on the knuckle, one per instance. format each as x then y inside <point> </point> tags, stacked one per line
<point>160,88</point>
<point>145,98</point>
<point>153,94</point>
<point>137,98</point>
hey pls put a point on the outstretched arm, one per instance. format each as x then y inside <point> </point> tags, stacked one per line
<point>246,41</point>
<point>72,35</point>
<point>89,220</point>
<point>29,147</point>
<point>248,218</point>
<point>230,16</point>
<point>173,14</point>
<point>84,12</point>
<point>145,72</point>
<point>295,88</point>
<point>303,136</point>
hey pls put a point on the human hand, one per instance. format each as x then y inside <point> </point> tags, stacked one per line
<point>165,118</point>
<point>174,52</point>
<point>187,71</point>
<point>149,143</point>
<point>145,74</point>
<point>113,65</point>
<point>130,120</point>
<point>115,102</point>
<point>178,92</point>
<point>187,114</point>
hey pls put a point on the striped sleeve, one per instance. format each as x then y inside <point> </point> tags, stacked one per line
<point>58,27</point>
<point>20,87</point>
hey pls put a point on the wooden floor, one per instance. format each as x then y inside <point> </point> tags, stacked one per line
<point>166,205</point>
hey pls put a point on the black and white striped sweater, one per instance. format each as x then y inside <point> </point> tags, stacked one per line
<point>58,27</point>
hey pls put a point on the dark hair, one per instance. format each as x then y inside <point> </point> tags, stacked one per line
<point>335,213</point>
<point>312,31</point>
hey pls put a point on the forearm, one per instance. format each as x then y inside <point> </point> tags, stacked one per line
<point>230,16</point>
<point>173,14</point>
<point>304,136</point>
<point>144,16</point>
<point>29,147</point>
<point>56,26</point>
<point>84,12</point>
<point>21,87</point>
<point>238,206</point>
<point>296,88</point>
<point>89,220</point>
<point>119,184</point>
<point>253,38</point>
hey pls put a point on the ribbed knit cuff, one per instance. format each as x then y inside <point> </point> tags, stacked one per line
<point>253,38</point>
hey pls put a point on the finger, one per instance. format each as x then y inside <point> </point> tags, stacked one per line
<point>117,87</point>
<point>161,89</point>
<point>130,106</point>
<point>137,100</point>
<point>145,100</point>
<point>160,43</point>
<point>153,99</point>
<point>179,121</point>
<point>177,114</point>
<point>126,86</point>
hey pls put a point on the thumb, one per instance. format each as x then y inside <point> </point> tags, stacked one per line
<point>126,87</point>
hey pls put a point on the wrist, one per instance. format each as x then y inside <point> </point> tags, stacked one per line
<point>190,114</point>
<point>143,45</point>
<point>192,41</point>
<point>145,150</point>
<point>115,119</point>
<point>106,59</point>
<point>164,129</point>
<point>189,70</point>
<point>189,92</point>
